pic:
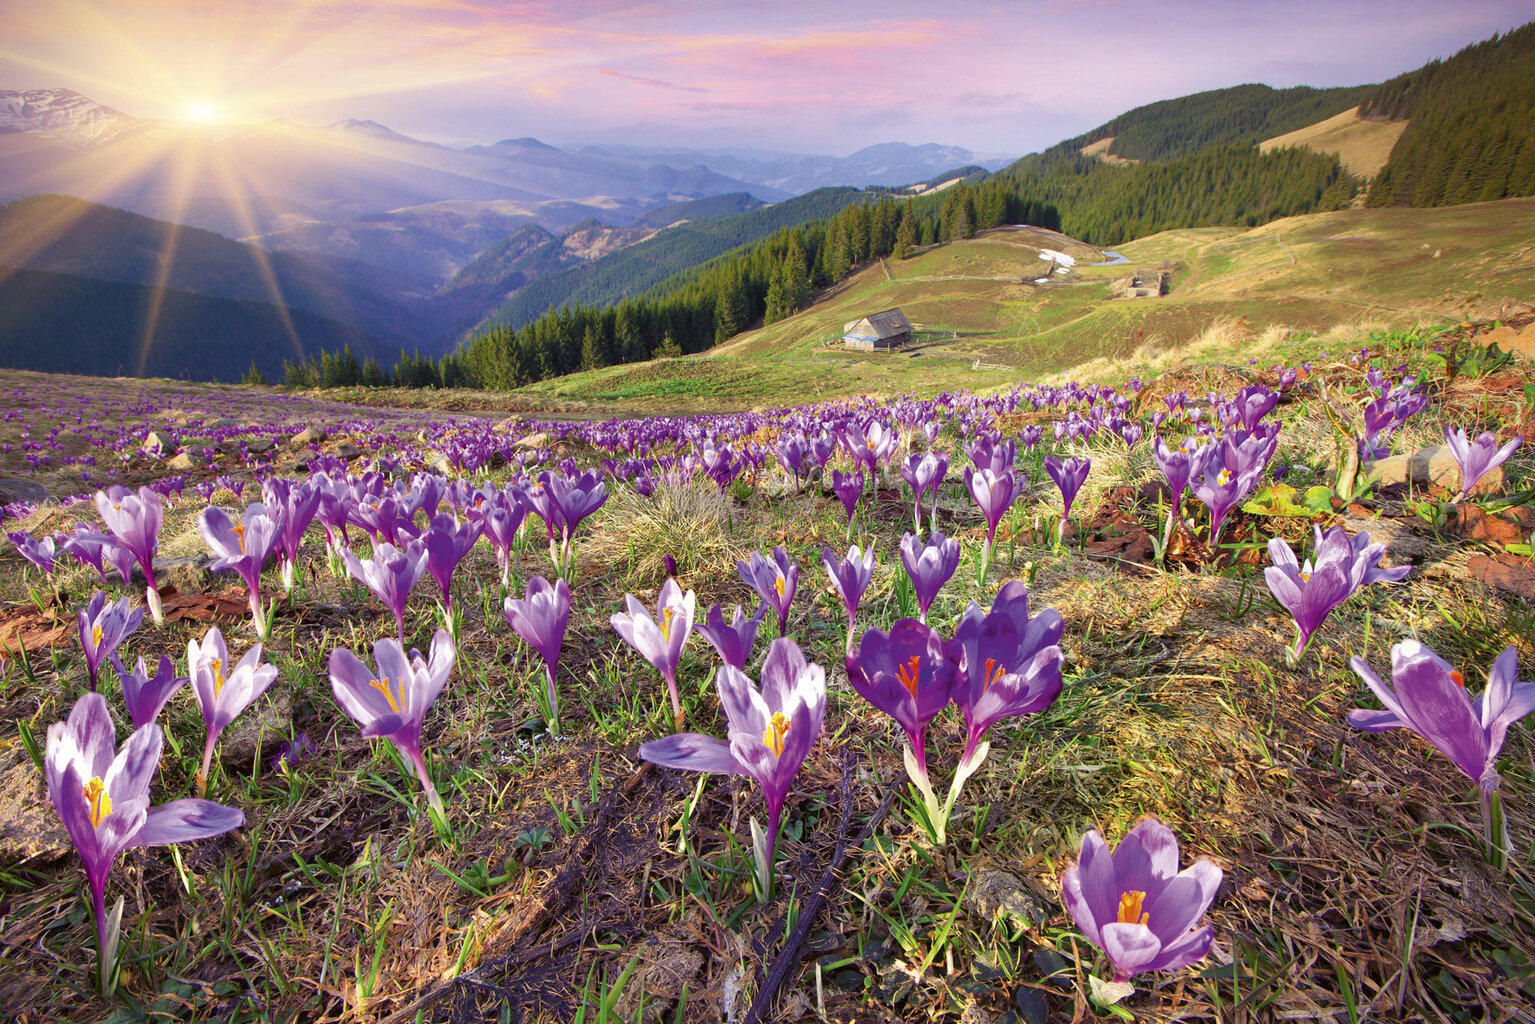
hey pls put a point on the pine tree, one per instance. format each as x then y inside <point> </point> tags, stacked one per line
<point>254,374</point>
<point>591,352</point>
<point>905,234</point>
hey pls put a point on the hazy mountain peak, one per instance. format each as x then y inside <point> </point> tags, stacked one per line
<point>358,128</point>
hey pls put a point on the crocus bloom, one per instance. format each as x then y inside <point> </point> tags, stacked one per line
<point>500,520</point>
<point>1069,475</point>
<point>734,639</point>
<point>775,580</point>
<point>849,578</point>
<point>102,627</point>
<point>1235,464</point>
<point>848,487</point>
<point>1310,592</point>
<point>293,507</point>
<point>392,702</point>
<point>1477,458</point>
<point>243,548</point>
<point>145,696</point>
<point>447,541</point>
<point>905,675</point>
<point>101,794</point>
<point>1006,662</point>
<point>88,547</point>
<point>133,520</point>
<point>223,692</point>
<point>924,472</point>
<point>1178,465</point>
<point>1134,903</point>
<point>389,574</point>
<point>660,640</point>
<point>994,493</point>
<point>929,566</point>
<point>540,618</point>
<point>770,733</point>
<point>1428,697</point>
<point>39,552</point>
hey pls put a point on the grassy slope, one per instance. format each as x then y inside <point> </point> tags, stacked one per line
<point>1363,146</point>
<point>1312,273</point>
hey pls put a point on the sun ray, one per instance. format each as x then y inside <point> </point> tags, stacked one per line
<point>185,173</point>
<point>236,191</point>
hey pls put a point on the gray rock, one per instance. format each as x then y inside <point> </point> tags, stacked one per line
<point>510,425</point>
<point>183,462</point>
<point>158,442</point>
<point>29,828</point>
<point>14,489</point>
<point>188,574</point>
<point>996,894</point>
<point>346,451</point>
<point>1402,544</point>
<point>440,464</point>
<point>308,436</point>
<point>259,445</point>
<point>533,441</point>
<point>258,731</point>
<point>1428,465</point>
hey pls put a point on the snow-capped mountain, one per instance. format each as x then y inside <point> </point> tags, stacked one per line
<point>65,116</point>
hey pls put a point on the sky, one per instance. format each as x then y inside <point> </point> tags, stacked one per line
<point>811,77</point>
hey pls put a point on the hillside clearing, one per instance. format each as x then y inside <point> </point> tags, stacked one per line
<point>1363,146</point>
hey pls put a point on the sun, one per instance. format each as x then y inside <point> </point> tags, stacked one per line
<point>200,112</point>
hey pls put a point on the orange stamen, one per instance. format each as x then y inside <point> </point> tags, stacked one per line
<point>1460,680</point>
<point>239,531</point>
<point>218,675</point>
<point>1130,908</point>
<point>96,636</point>
<point>993,673</point>
<point>909,673</point>
<point>778,586</point>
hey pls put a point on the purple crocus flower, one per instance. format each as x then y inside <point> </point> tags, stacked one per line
<point>660,640</point>
<point>1235,464</point>
<point>1427,696</point>
<point>1309,592</point>
<point>1178,465</point>
<point>994,493</point>
<point>929,566</point>
<point>924,472</point>
<point>1006,664</point>
<point>1134,903</point>
<point>393,702</point>
<point>770,733</point>
<point>499,520</point>
<point>39,552</point>
<point>540,618</point>
<point>849,578</point>
<point>848,488</point>
<point>133,521</point>
<point>905,675</point>
<point>293,507</point>
<point>1477,458</point>
<point>102,627</point>
<point>87,547</point>
<point>145,696</point>
<point>1069,475</point>
<point>243,548</point>
<point>447,541</point>
<point>790,450</point>
<point>101,794</point>
<point>223,692</point>
<point>775,580</point>
<point>389,574</point>
<point>733,640</point>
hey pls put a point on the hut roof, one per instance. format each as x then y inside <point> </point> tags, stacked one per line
<point>885,324</point>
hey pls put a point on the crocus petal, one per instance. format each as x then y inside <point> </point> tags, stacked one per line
<point>181,821</point>
<point>694,752</point>
<point>1371,720</point>
<point>1129,947</point>
<point>1183,900</point>
<point>1183,951</point>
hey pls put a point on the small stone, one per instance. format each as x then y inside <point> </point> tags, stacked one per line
<point>533,441</point>
<point>973,1014</point>
<point>346,451</point>
<point>440,464</point>
<point>259,445</point>
<point>188,574</point>
<point>29,828</point>
<point>993,894</point>
<point>258,731</point>
<point>308,436</point>
<point>13,489</point>
<point>1402,544</point>
<point>158,442</point>
<point>183,463</point>
<point>510,425</point>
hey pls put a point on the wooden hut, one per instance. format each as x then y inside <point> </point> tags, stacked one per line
<point>877,332</point>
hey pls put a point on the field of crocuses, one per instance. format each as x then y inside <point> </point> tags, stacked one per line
<point>1193,698</point>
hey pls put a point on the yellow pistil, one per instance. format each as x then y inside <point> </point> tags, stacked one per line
<point>96,636</point>
<point>383,686</point>
<point>101,802</point>
<point>1130,908</point>
<point>666,624</point>
<point>239,531</point>
<point>772,736</point>
<point>1223,478</point>
<point>909,673</point>
<point>218,675</point>
<point>871,445</point>
<point>1305,577</point>
<point>778,586</point>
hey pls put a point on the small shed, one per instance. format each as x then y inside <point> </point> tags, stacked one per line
<point>877,332</point>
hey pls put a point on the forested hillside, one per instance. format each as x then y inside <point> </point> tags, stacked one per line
<point>63,323</point>
<point>1471,126</point>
